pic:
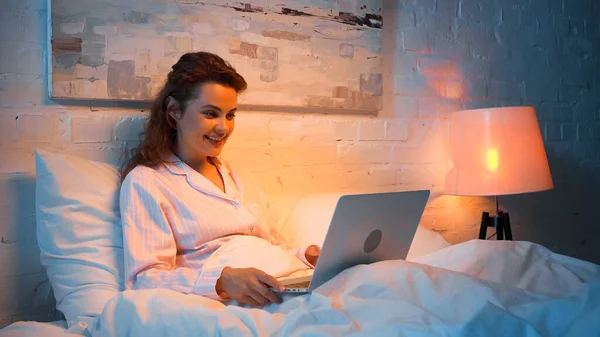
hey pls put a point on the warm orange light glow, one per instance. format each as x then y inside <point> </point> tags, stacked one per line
<point>444,77</point>
<point>453,89</point>
<point>497,151</point>
<point>492,159</point>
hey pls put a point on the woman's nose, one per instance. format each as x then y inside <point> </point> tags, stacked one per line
<point>222,126</point>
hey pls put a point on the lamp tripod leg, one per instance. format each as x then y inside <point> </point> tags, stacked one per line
<point>507,229</point>
<point>485,220</point>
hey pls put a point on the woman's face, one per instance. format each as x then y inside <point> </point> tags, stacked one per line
<point>207,122</point>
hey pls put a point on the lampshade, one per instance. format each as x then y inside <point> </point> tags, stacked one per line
<point>497,151</point>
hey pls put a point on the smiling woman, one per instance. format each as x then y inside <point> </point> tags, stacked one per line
<point>203,127</point>
<point>181,206</point>
<point>202,84</point>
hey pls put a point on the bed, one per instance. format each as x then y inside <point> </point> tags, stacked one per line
<point>491,288</point>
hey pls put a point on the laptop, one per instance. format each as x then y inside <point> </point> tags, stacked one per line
<point>364,229</point>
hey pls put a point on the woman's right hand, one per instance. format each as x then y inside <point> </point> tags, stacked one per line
<point>249,286</point>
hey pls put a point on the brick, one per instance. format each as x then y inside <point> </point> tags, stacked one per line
<point>588,132</point>
<point>345,130</point>
<point>414,176</point>
<point>24,5</point>
<point>396,130</point>
<point>371,130</point>
<point>368,178</point>
<point>422,129</point>
<point>404,107</point>
<point>297,129</point>
<point>360,152</point>
<point>21,160</point>
<point>547,92</point>
<point>422,13</point>
<point>448,45</point>
<point>303,155</point>
<point>553,131</point>
<point>62,134</point>
<point>21,91</point>
<point>476,89</point>
<point>569,94</point>
<point>477,104</point>
<point>578,9</point>
<point>438,107</point>
<point>571,73</point>
<point>470,9</point>
<point>406,19</point>
<point>555,7</point>
<point>10,26</point>
<point>417,86</point>
<point>560,113</point>
<point>438,67</point>
<point>414,154</point>
<point>447,7</point>
<point>415,40</point>
<point>504,90</point>
<point>406,63</point>
<point>92,130</point>
<point>381,175</point>
<point>482,43</point>
<point>8,126</point>
<point>477,69</point>
<point>35,128</point>
<point>33,25</point>
<point>129,128</point>
<point>355,178</point>
<point>452,90</point>
<point>22,58</point>
<point>568,131</point>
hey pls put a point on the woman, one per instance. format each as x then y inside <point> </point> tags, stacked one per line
<point>180,204</point>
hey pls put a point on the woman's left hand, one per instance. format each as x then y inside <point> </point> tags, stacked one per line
<point>312,254</point>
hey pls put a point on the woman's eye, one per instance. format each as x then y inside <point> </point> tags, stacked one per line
<point>210,114</point>
<point>230,116</point>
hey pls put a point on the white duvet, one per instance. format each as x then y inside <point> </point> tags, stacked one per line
<point>478,288</point>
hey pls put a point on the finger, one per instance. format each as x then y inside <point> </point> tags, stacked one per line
<point>256,296</point>
<point>270,281</point>
<point>249,300</point>
<point>267,293</point>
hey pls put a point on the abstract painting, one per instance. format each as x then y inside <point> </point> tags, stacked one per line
<point>293,53</point>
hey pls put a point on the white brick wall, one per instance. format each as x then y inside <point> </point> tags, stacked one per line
<point>441,56</point>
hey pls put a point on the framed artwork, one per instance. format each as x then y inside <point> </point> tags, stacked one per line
<point>319,54</point>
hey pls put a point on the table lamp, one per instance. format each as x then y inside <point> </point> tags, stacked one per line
<point>497,151</point>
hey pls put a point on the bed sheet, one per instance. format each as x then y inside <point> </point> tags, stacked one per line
<point>35,329</point>
<point>477,288</point>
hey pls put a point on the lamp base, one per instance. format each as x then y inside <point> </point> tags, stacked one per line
<point>501,222</point>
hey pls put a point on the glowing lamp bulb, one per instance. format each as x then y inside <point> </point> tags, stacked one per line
<point>492,159</point>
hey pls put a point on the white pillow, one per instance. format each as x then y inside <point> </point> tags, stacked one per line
<point>79,232</point>
<point>310,217</point>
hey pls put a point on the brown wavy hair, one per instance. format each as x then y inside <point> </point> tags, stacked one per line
<point>183,83</point>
